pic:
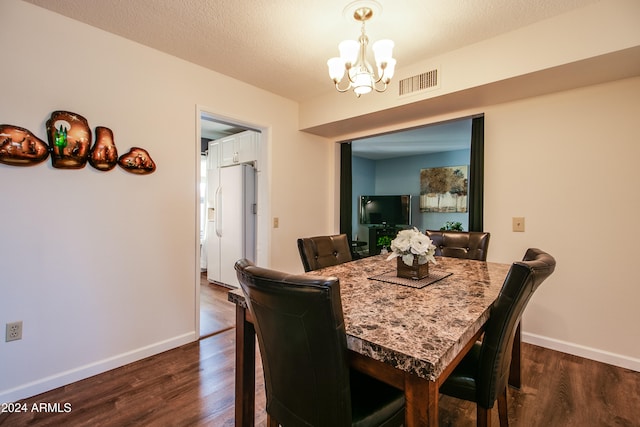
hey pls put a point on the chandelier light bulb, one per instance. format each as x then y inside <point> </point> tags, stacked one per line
<point>336,69</point>
<point>349,51</point>
<point>383,50</point>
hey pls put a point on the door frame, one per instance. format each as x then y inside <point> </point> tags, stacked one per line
<point>263,236</point>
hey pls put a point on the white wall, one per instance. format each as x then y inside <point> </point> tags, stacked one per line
<point>402,176</point>
<point>567,162</point>
<point>102,267</point>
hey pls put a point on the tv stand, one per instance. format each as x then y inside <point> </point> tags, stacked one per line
<point>376,232</point>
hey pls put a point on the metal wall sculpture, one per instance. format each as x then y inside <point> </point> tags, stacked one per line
<point>69,137</point>
<point>104,154</point>
<point>137,160</point>
<point>19,147</point>
<point>69,140</point>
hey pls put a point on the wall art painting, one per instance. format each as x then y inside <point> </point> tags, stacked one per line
<point>69,138</point>
<point>444,189</point>
<point>20,147</point>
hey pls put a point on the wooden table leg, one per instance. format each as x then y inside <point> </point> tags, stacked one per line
<point>245,370</point>
<point>516,359</point>
<point>421,397</point>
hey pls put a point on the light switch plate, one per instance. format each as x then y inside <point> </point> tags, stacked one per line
<point>518,223</point>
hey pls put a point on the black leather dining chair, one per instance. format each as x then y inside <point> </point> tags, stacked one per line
<point>301,335</point>
<point>324,251</point>
<point>483,374</point>
<point>460,244</point>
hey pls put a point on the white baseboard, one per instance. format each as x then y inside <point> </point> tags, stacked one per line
<point>68,377</point>
<point>63,378</point>
<point>583,351</point>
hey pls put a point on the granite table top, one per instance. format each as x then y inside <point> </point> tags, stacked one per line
<point>416,330</point>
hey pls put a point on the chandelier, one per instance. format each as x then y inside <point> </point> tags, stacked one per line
<point>353,57</point>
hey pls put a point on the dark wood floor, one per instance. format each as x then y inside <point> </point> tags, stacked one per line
<point>216,313</point>
<point>194,386</point>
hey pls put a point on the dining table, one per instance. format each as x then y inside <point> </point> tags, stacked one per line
<point>408,333</point>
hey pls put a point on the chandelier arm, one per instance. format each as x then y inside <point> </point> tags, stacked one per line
<point>342,90</point>
<point>379,79</point>
<point>383,68</point>
<point>348,74</point>
<point>380,90</point>
<point>385,83</point>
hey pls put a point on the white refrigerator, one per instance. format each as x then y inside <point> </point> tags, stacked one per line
<point>231,219</point>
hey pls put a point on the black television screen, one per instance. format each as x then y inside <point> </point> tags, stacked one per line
<point>385,210</point>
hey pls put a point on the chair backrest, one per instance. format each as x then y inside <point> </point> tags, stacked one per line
<point>460,244</point>
<point>523,279</point>
<point>324,251</point>
<point>301,335</point>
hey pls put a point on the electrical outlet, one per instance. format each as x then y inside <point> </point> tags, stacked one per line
<point>14,331</point>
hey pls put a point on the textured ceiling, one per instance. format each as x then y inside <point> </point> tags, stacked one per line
<point>282,45</point>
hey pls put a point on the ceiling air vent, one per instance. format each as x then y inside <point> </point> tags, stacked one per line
<point>427,80</point>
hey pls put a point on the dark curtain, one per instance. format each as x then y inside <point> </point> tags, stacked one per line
<point>476,175</point>
<point>345,189</point>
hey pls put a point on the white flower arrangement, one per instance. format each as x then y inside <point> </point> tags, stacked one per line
<point>410,243</point>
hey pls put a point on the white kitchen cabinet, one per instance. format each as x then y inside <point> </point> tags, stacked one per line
<point>239,148</point>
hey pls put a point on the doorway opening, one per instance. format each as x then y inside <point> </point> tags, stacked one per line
<point>392,167</point>
<point>223,156</point>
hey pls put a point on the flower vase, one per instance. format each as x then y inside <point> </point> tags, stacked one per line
<point>415,271</point>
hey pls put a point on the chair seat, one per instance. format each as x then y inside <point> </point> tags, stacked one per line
<point>374,403</point>
<point>462,381</point>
